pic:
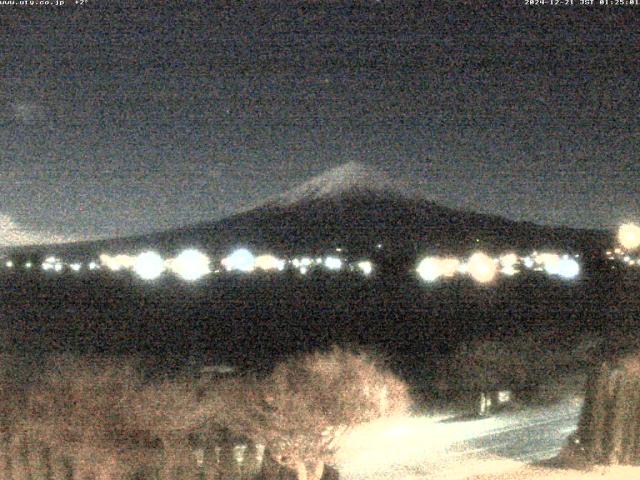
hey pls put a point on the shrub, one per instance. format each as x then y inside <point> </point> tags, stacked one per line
<point>609,426</point>
<point>523,363</point>
<point>307,402</point>
<point>175,412</point>
<point>95,418</point>
<point>75,419</point>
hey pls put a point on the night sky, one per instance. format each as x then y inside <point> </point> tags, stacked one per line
<point>117,119</point>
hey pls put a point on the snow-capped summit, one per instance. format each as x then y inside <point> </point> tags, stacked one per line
<point>351,177</point>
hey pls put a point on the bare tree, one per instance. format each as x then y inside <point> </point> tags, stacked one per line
<point>98,419</point>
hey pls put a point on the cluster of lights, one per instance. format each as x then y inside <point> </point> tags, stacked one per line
<point>333,263</point>
<point>149,265</point>
<point>509,263</point>
<point>117,263</point>
<point>189,265</point>
<point>623,256</point>
<point>303,264</point>
<point>365,266</point>
<point>564,266</point>
<point>52,263</point>
<point>629,241</point>
<point>481,267</point>
<point>269,262</point>
<point>432,268</point>
<point>484,269</point>
<point>242,260</point>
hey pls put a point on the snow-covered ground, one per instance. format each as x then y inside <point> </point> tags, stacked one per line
<point>456,448</point>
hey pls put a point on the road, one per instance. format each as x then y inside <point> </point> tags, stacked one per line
<point>456,448</point>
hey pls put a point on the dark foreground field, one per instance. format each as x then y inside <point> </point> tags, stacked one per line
<point>137,348</point>
<point>257,319</point>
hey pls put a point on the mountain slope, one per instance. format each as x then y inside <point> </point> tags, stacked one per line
<point>357,208</point>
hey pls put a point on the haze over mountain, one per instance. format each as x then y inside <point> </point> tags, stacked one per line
<point>14,235</point>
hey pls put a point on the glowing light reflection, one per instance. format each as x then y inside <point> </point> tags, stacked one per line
<point>508,263</point>
<point>269,262</point>
<point>429,269</point>
<point>481,267</point>
<point>566,268</point>
<point>365,266</point>
<point>629,236</point>
<point>118,262</point>
<point>148,265</point>
<point>241,260</point>
<point>333,263</point>
<point>190,265</point>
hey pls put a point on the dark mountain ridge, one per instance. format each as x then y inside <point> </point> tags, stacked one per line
<point>355,208</point>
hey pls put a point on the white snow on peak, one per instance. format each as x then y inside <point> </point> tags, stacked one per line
<point>348,177</point>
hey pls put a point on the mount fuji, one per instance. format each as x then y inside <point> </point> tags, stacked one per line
<point>347,179</point>
<point>357,208</point>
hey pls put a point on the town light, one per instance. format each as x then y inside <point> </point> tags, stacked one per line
<point>508,263</point>
<point>429,269</point>
<point>190,265</point>
<point>269,262</point>
<point>148,265</point>
<point>240,259</point>
<point>629,236</point>
<point>333,263</point>
<point>365,267</point>
<point>566,268</point>
<point>481,267</point>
